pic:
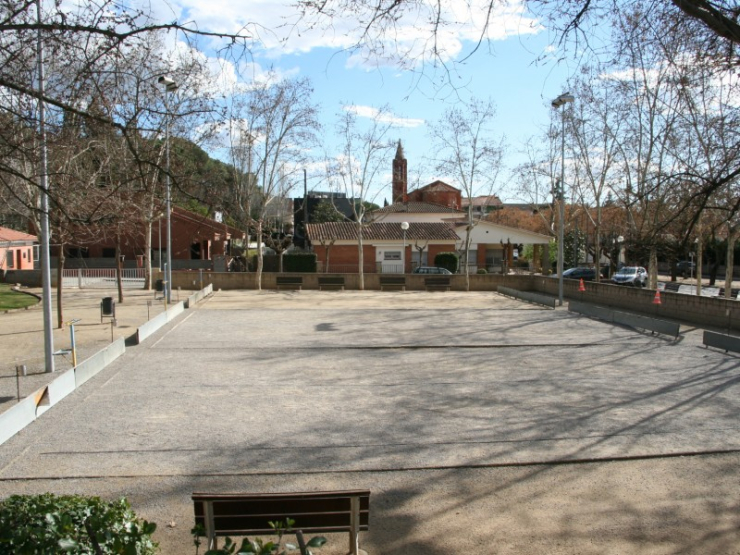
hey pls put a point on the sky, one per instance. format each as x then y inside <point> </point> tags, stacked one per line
<point>504,70</point>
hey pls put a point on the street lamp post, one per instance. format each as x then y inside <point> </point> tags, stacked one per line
<point>404,227</point>
<point>169,87</point>
<point>559,102</point>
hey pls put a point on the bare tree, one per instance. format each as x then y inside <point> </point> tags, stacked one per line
<point>380,25</point>
<point>278,126</point>
<point>358,169</point>
<point>468,152</point>
<point>594,134</point>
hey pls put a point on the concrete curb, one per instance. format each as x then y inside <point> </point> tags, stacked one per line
<point>198,296</point>
<point>528,296</point>
<point>29,409</point>
<point>153,325</point>
<point>632,320</point>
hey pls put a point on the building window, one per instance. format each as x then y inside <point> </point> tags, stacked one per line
<point>80,252</point>
<point>109,253</point>
<point>392,255</point>
<point>10,258</point>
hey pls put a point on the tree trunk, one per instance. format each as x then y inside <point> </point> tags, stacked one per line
<point>360,257</point>
<point>148,256</point>
<point>597,250</point>
<point>260,260</point>
<point>699,255</point>
<point>653,268</point>
<point>730,263</point>
<point>467,257</point>
<point>60,267</point>
<point>119,271</point>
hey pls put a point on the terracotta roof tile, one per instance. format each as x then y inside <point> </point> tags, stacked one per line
<point>416,208</point>
<point>13,235</point>
<point>382,231</point>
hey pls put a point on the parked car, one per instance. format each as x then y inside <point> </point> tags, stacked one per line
<point>686,268</point>
<point>586,274</point>
<point>432,270</point>
<point>631,275</point>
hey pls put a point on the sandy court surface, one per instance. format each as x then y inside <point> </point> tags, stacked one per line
<point>480,424</point>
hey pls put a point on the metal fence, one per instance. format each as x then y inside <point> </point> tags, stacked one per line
<point>103,278</point>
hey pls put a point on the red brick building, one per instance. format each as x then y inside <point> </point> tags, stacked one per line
<point>386,247</point>
<point>194,238</point>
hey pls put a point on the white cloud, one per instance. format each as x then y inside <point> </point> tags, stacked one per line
<point>275,28</point>
<point>369,112</point>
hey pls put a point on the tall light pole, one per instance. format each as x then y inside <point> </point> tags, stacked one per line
<point>169,86</point>
<point>404,227</point>
<point>559,102</point>
<point>44,187</point>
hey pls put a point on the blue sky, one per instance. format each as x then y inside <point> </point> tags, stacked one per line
<point>503,70</point>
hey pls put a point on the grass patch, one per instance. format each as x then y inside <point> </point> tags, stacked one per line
<point>12,299</point>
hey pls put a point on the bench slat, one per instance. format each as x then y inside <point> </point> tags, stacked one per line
<point>246,525</point>
<point>225,507</point>
<point>313,512</point>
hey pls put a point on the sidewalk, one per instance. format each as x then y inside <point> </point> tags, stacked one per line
<point>22,336</point>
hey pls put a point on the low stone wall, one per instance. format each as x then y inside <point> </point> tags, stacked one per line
<point>414,282</point>
<point>703,311</point>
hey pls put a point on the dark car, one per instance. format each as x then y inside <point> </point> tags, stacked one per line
<point>586,274</point>
<point>686,268</point>
<point>432,270</point>
<point>631,275</point>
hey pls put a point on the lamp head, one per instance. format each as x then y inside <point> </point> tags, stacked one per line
<point>404,225</point>
<point>563,99</point>
<point>167,82</point>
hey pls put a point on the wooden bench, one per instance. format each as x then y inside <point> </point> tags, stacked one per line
<point>318,512</point>
<point>397,283</point>
<point>331,282</point>
<point>289,282</point>
<point>437,283</point>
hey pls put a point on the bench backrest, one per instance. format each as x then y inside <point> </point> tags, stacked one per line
<point>331,280</point>
<point>289,280</point>
<point>437,280</point>
<point>392,280</point>
<point>241,514</point>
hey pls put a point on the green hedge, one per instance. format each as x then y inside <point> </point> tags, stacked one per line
<point>304,263</point>
<point>45,524</point>
<point>448,260</point>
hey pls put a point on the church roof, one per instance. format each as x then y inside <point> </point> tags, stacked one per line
<point>437,185</point>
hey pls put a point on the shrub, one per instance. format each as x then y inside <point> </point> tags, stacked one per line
<point>448,260</point>
<point>300,262</point>
<point>41,524</point>
<point>481,271</point>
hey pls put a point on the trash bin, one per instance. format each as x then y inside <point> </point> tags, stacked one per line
<point>109,306</point>
<point>159,286</point>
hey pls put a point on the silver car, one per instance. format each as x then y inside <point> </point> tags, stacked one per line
<point>631,275</point>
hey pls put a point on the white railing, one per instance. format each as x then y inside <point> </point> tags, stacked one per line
<point>103,278</point>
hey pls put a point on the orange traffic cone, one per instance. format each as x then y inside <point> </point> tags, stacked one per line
<point>656,299</point>
<point>581,286</point>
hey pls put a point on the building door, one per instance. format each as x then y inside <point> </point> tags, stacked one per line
<point>392,262</point>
